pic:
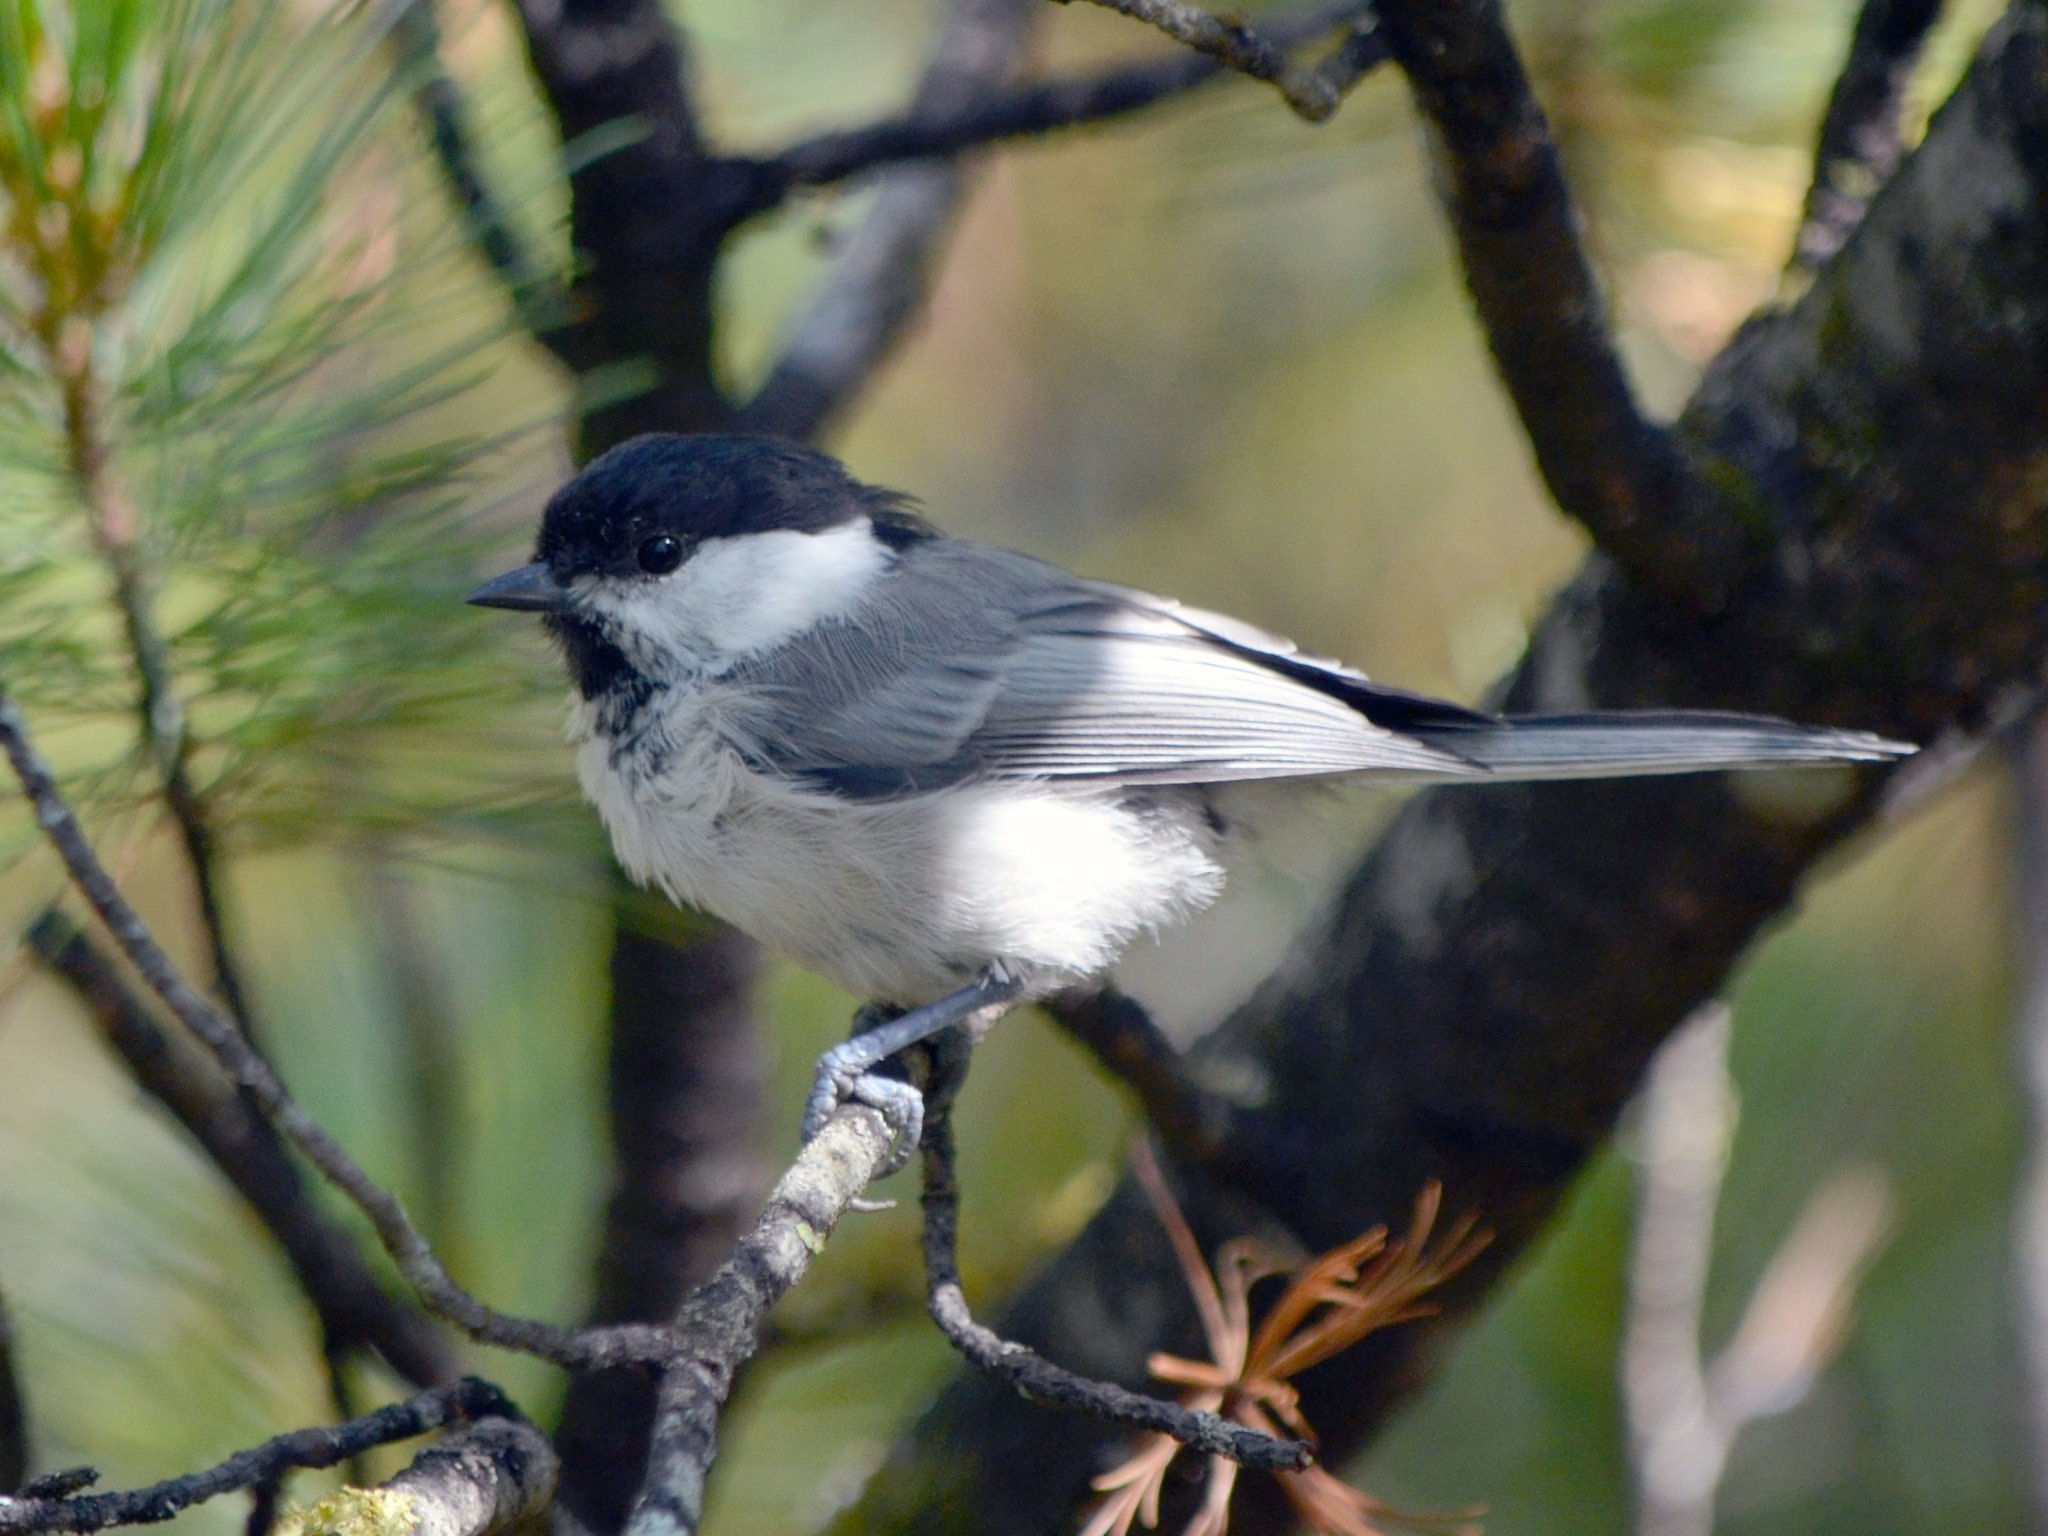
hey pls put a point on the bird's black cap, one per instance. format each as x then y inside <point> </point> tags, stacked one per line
<point>703,486</point>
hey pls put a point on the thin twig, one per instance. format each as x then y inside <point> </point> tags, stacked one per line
<point>1860,144</point>
<point>464,1400</point>
<point>863,304</point>
<point>416,1260</point>
<point>537,297</point>
<point>718,1328</point>
<point>1120,1034</point>
<point>117,535</point>
<point>1606,463</point>
<point>1030,1372</point>
<point>352,1308</point>
<point>1313,91</point>
<point>1048,106</point>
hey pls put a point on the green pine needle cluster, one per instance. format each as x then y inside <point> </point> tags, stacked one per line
<point>233,539</point>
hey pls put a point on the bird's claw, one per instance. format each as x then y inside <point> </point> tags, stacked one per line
<point>843,1077</point>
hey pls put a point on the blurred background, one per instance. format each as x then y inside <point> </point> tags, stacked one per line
<point>1213,351</point>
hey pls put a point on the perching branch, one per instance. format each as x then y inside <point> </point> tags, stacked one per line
<point>862,305</point>
<point>718,1327</point>
<point>1313,91</point>
<point>1048,106</point>
<point>1037,1378</point>
<point>536,296</point>
<point>1607,465</point>
<point>352,1307</point>
<point>416,1260</point>
<point>1860,144</point>
<point>463,1401</point>
<point>496,1475</point>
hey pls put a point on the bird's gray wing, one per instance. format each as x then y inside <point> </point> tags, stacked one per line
<point>973,662</point>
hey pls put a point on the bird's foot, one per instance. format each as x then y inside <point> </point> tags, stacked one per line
<point>844,1076</point>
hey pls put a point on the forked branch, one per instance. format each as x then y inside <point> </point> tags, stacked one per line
<point>465,1401</point>
<point>416,1260</point>
<point>1610,467</point>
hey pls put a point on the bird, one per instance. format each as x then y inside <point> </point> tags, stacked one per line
<point>951,777</point>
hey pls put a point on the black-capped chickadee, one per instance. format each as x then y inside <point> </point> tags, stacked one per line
<point>949,776</point>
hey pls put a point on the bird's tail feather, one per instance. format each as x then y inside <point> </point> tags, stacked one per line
<point>1591,746</point>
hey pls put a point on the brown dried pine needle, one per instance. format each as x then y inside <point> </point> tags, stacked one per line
<point>1330,1304</point>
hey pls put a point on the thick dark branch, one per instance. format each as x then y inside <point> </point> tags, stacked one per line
<point>1860,146</point>
<point>416,1260</point>
<point>459,1402</point>
<point>353,1309</point>
<point>1607,465</point>
<point>719,1326</point>
<point>1313,91</point>
<point>1037,1378</point>
<point>646,218</point>
<point>14,1458</point>
<point>1047,106</point>
<point>536,296</point>
<point>863,304</point>
<point>1487,990</point>
<point>1120,1034</point>
<point>686,1074</point>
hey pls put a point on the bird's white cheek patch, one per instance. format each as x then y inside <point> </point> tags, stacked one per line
<point>739,596</point>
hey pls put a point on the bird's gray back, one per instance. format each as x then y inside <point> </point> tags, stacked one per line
<point>968,661</point>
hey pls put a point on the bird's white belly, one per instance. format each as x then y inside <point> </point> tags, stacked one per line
<point>903,901</point>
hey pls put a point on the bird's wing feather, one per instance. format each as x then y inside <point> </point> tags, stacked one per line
<point>970,661</point>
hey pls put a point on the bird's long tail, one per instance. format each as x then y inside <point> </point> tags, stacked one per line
<point>1593,746</point>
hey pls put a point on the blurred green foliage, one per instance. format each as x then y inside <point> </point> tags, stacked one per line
<point>1216,352</point>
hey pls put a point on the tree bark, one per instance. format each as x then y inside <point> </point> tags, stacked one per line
<point>1486,991</point>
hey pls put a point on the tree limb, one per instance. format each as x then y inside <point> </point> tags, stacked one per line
<point>718,1328</point>
<point>1120,1034</point>
<point>1860,146</point>
<point>646,219</point>
<point>1607,465</point>
<point>862,305</point>
<point>1486,990</point>
<point>1043,107</point>
<point>459,1402</point>
<point>352,1308</point>
<point>685,1078</point>
<point>416,1260</point>
<point>1312,91</point>
<point>496,1475</point>
<point>537,298</point>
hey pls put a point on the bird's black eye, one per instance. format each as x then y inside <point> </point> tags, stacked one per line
<point>661,554</point>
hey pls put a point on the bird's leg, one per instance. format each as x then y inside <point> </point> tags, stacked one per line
<point>845,1072</point>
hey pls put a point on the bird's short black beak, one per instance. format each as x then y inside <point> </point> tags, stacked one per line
<point>531,587</point>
